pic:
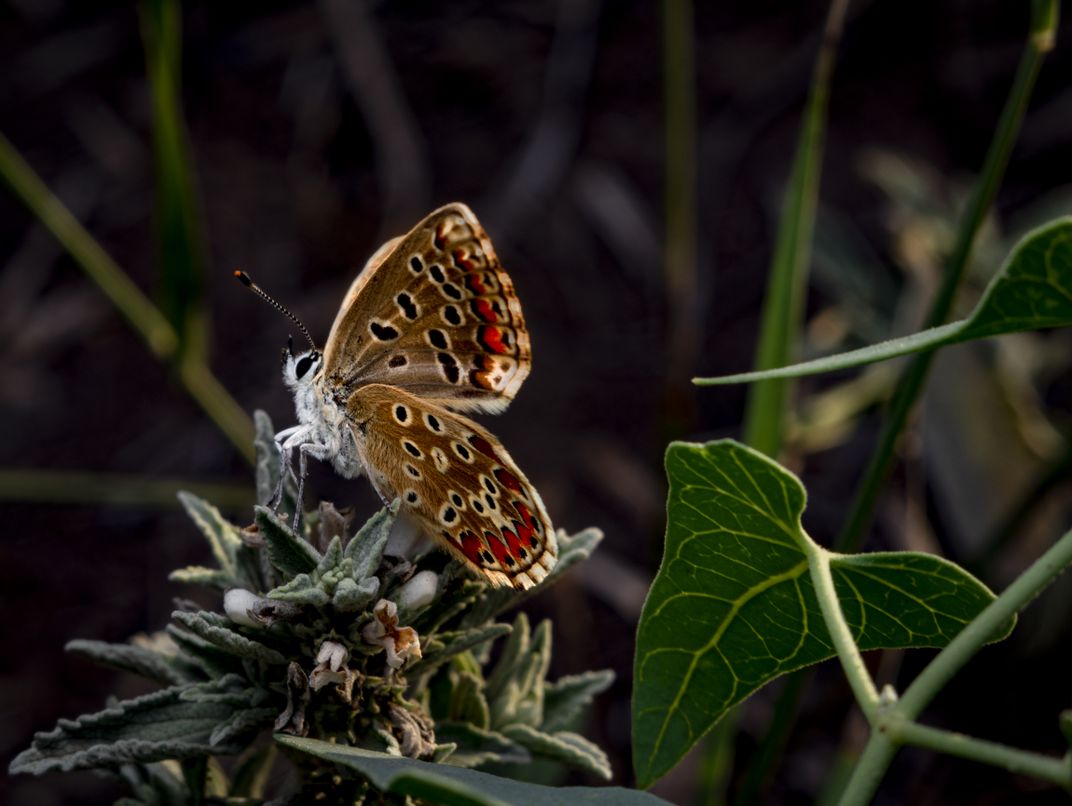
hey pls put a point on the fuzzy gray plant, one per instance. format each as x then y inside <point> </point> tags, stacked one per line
<point>333,635</point>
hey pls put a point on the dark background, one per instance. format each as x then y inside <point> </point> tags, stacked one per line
<point>548,120</point>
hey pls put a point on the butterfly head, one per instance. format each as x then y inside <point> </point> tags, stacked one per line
<point>299,369</point>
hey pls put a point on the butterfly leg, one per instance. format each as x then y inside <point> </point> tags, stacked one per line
<point>284,449</point>
<point>305,450</point>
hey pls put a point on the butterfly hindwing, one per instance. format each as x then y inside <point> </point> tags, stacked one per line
<point>434,314</point>
<point>457,480</point>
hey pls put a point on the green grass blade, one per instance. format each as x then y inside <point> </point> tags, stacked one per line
<point>85,487</point>
<point>1040,41</point>
<point>764,419</point>
<point>146,319</point>
<point>181,250</point>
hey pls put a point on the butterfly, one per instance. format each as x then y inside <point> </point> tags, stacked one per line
<point>431,328</point>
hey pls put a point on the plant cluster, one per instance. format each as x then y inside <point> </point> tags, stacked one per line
<point>339,639</point>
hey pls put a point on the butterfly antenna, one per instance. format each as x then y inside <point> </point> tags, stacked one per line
<point>247,281</point>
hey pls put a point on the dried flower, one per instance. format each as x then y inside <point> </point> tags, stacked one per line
<point>400,643</point>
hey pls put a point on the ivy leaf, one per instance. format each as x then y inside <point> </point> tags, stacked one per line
<point>442,783</point>
<point>157,726</point>
<point>732,606</point>
<point>1032,291</point>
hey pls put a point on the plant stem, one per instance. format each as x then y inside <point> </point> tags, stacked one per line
<point>863,687</point>
<point>1040,41</point>
<point>139,311</point>
<point>1046,768</point>
<point>870,768</point>
<point>881,747</point>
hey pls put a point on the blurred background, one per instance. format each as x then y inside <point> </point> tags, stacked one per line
<point>315,131</point>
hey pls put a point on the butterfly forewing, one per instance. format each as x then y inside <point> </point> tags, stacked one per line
<point>434,314</point>
<point>457,480</point>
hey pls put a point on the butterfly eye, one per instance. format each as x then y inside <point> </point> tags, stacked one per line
<point>304,364</point>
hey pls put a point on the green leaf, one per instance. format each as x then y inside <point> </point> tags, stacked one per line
<point>130,658</point>
<point>302,589</point>
<point>1032,291</point>
<point>222,536</point>
<point>211,628</point>
<point>1065,721</point>
<point>200,575</point>
<point>177,218</point>
<point>151,728</point>
<point>452,643</point>
<point>477,746</point>
<point>765,412</point>
<point>468,704</point>
<point>565,746</point>
<point>441,783</point>
<point>289,553</point>
<point>732,606</point>
<point>564,699</point>
<point>365,548</point>
<point>242,723</point>
<point>351,597</point>
<point>267,464</point>
<point>209,659</point>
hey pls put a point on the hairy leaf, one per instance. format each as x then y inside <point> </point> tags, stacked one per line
<point>289,554</point>
<point>565,746</point>
<point>207,626</point>
<point>222,536</point>
<point>564,699</point>
<point>130,658</point>
<point>154,727</point>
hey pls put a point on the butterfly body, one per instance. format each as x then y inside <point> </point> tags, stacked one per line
<point>429,329</point>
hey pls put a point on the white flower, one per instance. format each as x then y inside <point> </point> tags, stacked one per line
<point>418,592</point>
<point>331,669</point>
<point>400,643</point>
<point>238,605</point>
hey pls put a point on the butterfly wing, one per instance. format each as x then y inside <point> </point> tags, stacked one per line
<point>433,313</point>
<point>458,482</point>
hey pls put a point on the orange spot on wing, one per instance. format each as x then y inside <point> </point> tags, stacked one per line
<point>483,446</point>
<point>484,309</point>
<point>491,338</point>
<point>471,547</point>
<point>475,283</point>
<point>507,479</point>
<point>498,548</point>
<point>513,542</point>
